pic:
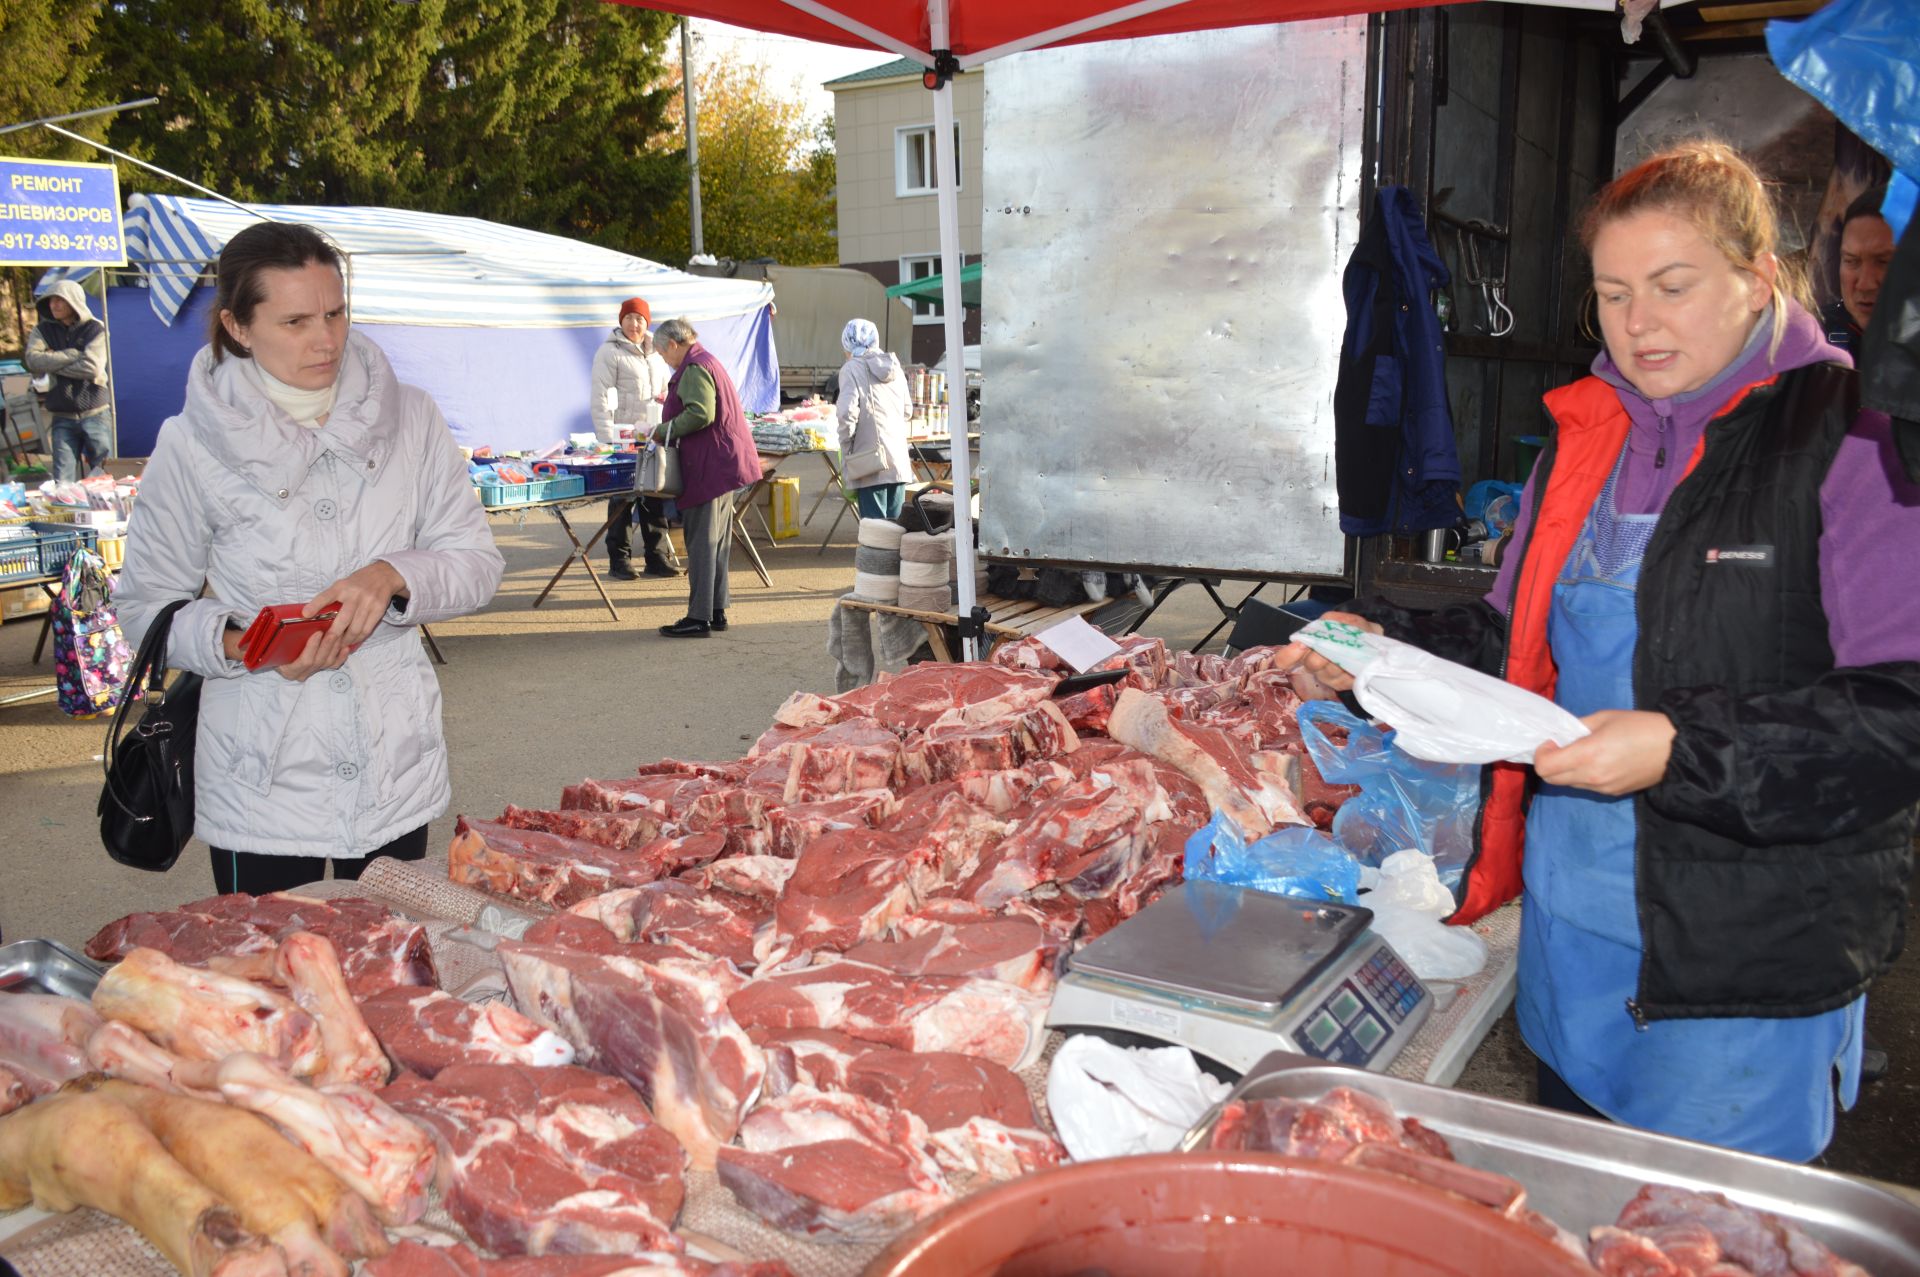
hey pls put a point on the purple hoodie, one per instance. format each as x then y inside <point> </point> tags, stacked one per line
<point>1870,512</point>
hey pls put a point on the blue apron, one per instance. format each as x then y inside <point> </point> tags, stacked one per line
<point>1761,1085</point>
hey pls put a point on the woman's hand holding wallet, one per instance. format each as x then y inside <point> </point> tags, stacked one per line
<point>300,641</point>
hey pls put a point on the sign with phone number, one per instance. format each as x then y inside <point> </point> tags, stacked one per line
<point>60,213</point>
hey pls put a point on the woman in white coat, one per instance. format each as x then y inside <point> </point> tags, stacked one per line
<point>301,471</point>
<point>874,409</point>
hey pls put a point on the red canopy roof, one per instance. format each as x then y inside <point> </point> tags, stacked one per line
<point>983,26</point>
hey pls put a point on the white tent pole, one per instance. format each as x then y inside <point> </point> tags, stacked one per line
<point>1110,18</point>
<point>872,35</point>
<point>947,196</point>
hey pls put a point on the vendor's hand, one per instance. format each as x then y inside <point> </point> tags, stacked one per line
<point>1322,670</point>
<point>1626,753</point>
<point>361,601</point>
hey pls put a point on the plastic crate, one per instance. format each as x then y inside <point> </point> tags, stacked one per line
<point>19,554</point>
<point>59,542</point>
<point>601,476</point>
<point>566,485</point>
<point>495,495</point>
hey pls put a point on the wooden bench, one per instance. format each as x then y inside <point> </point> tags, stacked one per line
<point>1006,619</point>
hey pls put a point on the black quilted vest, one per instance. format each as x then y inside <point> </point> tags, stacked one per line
<point>1729,595</point>
<point>70,397</point>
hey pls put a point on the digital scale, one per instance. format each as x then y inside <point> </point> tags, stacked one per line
<point>1233,974</point>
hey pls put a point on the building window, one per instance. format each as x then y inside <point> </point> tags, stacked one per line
<point>912,268</point>
<point>913,160</point>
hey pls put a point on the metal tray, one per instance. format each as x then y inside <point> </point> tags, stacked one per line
<point>45,966</point>
<point>1579,1172</point>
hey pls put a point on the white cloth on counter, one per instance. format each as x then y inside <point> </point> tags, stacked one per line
<point>1118,1101</point>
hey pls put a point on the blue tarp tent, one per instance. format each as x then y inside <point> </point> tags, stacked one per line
<point>498,324</point>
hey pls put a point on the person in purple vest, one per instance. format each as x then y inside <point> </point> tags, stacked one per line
<point>703,417</point>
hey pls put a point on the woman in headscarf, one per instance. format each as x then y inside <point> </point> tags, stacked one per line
<point>873,410</point>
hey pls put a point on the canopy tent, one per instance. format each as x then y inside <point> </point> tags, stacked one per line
<point>933,287</point>
<point>953,35</point>
<point>499,324</point>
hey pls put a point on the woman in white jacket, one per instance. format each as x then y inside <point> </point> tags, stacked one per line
<point>629,383</point>
<point>301,471</point>
<point>874,409</point>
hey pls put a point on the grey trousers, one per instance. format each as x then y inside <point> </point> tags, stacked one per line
<point>708,528</point>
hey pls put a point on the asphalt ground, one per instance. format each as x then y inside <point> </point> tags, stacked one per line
<point>538,698</point>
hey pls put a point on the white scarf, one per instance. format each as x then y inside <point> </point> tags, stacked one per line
<point>305,407</point>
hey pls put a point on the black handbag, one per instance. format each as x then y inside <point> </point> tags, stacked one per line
<point>146,806</point>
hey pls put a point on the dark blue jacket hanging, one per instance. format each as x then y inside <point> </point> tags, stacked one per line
<point>1396,466</point>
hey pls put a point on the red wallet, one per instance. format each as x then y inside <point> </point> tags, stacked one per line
<point>279,634</point>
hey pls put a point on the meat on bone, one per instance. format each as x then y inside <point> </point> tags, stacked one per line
<point>122,1051</point>
<point>1088,837</point>
<point>702,922</point>
<point>1761,1243</point>
<point>43,1039</point>
<point>548,1161</point>
<point>1256,789</point>
<point>656,1018</point>
<point>617,830</point>
<point>427,1030</point>
<point>207,1016</point>
<point>846,887</point>
<point>381,1155</point>
<point>1326,1129</point>
<point>791,827</point>
<point>309,969</point>
<point>921,695</point>
<point>556,870</point>
<point>13,1090</point>
<point>849,757</point>
<point>759,877</point>
<point>79,1149</point>
<point>281,1192</point>
<point>994,1021</point>
<point>834,1165</point>
<point>936,941</point>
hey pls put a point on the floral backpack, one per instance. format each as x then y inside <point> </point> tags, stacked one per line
<point>91,659</point>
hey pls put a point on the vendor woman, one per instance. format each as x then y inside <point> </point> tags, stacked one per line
<point>1710,569</point>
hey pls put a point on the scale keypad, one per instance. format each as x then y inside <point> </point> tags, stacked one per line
<point>1361,1012</point>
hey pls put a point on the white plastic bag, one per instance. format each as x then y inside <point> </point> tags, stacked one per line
<point>1117,1101</point>
<point>1440,710</point>
<point>1408,903</point>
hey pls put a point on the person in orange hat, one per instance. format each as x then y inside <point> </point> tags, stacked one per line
<point>629,382</point>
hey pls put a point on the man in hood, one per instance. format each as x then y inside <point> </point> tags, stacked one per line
<point>629,382</point>
<point>69,346</point>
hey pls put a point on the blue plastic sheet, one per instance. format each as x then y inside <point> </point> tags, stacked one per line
<point>1859,59</point>
<point>1294,861</point>
<point>1403,801</point>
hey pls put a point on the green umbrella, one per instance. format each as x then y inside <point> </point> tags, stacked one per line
<point>929,288</point>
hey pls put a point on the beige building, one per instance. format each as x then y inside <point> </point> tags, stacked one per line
<point>889,225</point>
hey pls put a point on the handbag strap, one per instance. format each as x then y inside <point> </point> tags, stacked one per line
<point>149,671</point>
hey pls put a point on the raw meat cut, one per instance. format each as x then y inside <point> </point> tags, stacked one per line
<point>1088,837</point>
<point>280,1192</point>
<point>758,877</point>
<point>703,922</point>
<point>307,967</point>
<point>654,1017</point>
<point>844,758</point>
<point>426,1030</point>
<point>955,830</point>
<point>43,1041</point>
<point>1326,1129</point>
<point>618,830</point>
<point>13,1090</point>
<point>239,934</point>
<point>1761,1243</point>
<point>923,694</point>
<point>792,827</point>
<point>560,871</point>
<point>1256,788</point>
<point>207,1016</point>
<point>381,1155</point>
<point>411,1259</point>
<point>942,940</point>
<point>995,1021</point>
<point>122,1051</point>
<point>78,1149</point>
<point>958,741</point>
<point>834,1165</point>
<point>538,1161</point>
<point>846,887</point>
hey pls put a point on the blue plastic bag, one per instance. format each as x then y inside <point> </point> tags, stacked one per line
<point>1403,801</point>
<point>1293,861</point>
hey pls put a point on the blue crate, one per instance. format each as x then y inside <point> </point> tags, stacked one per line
<point>612,475</point>
<point>59,542</point>
<point>495,495</point>
<point>564,486</point>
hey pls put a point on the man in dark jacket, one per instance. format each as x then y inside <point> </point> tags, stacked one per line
<point>1866,250</point>
<point>69,346</point>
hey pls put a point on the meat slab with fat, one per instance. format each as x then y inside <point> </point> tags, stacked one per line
<point>792,827</point>
<point>1694,1232</point>
<point>1256,788</point>
<point>412,1259</point>
<point>1088,836</point>
<point>543,1161</point>
<point>846,887</point>
<point>957,938</point>
<point>427,1030</point>
<point>1326,1129</point>
<point>653,1016</point>
<point>241,934</point>
<point>995,1021</point>
<point>556,870</point>
<point>960,741</point>
<point>921,695</point>
<point>834,1166</point>
<point>701,921</point>
<point>204,1015</point>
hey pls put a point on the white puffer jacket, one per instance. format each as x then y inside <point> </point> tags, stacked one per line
<point>628,384</point>
<point>264,511</point>
<point>875,409</point>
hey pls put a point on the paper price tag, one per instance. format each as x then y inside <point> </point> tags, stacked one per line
<point>1078,644</point>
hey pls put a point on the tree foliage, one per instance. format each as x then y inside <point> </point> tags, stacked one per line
<point>538,113</point>
<point>767,173</point>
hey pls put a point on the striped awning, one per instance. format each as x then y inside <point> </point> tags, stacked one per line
<point>429,268</point>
